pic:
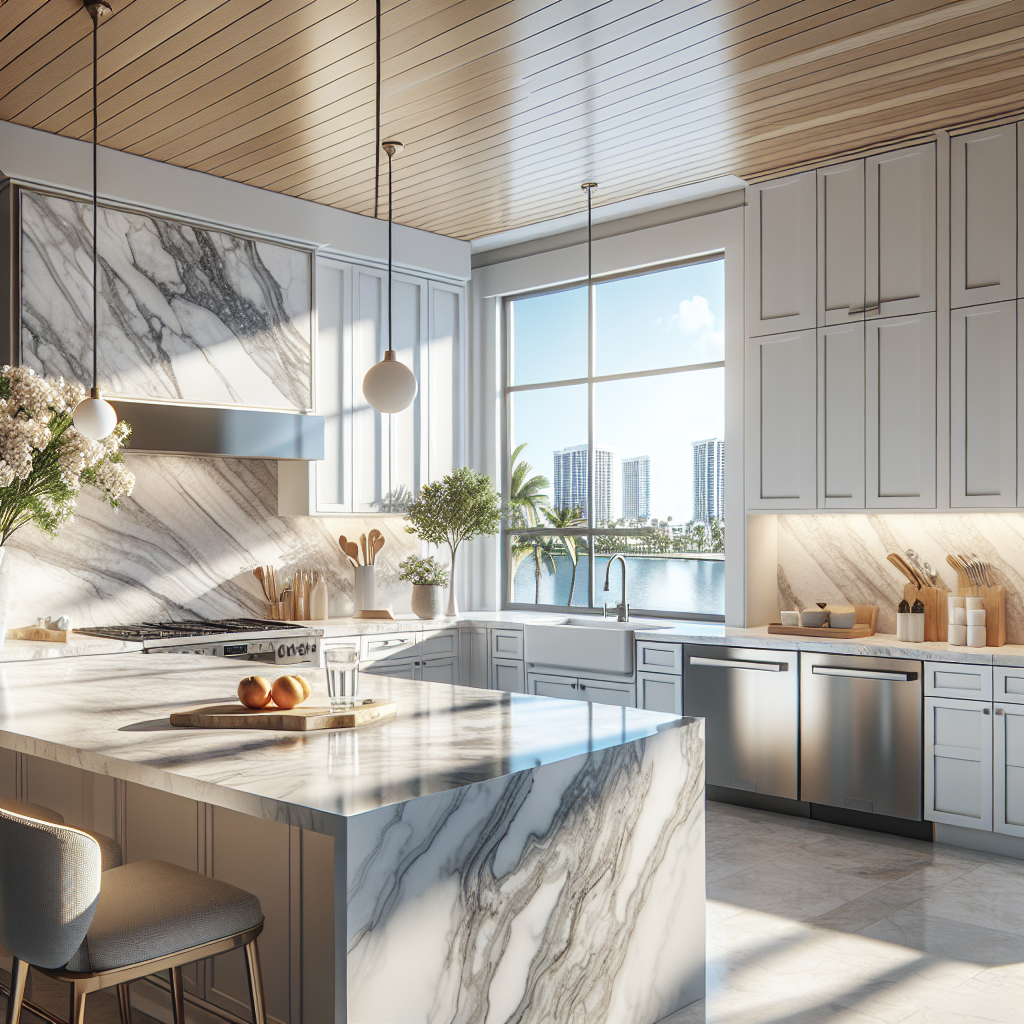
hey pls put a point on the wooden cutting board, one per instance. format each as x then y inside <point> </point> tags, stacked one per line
<point>300,719</point>
<point>857,632</point>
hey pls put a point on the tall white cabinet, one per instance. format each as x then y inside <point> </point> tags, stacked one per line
<point>369,455</point>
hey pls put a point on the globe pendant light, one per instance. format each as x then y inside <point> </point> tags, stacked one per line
<point>94,416</point>
<point>390,386</point>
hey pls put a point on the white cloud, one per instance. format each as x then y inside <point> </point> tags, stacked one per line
<point>696,319</point>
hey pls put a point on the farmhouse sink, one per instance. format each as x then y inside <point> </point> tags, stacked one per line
<point>584,644</point>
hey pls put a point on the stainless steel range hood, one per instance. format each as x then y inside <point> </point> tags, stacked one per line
<point>218,431</point>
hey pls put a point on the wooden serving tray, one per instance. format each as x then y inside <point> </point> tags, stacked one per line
<point>300,719</point>
<point>53,636</point>
<point>857,632</point>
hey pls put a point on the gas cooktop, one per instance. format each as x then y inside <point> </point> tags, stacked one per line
<point>189,628</point>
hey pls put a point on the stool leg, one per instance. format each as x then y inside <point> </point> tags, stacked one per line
<point>177,996</point>
<point>252,968</point>
<point>19,975</point>
<point>77,1015</point>
<point>124,1003</point>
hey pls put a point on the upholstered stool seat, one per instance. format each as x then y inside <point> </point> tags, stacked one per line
<point>150,909</point>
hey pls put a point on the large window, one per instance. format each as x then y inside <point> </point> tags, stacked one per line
<point>615,433</point>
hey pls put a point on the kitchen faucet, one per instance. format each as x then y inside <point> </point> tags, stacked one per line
<point>623,608</point>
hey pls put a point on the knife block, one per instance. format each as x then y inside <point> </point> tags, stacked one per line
<point>994,601</point>
<point>936,614</point>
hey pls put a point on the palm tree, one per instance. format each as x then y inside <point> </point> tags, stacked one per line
<point>567,519</point>
<point>526,498</point>
<point>542,549</point>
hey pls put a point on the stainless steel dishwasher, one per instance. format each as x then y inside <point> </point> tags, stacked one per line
<point>861,722</point>
<point>748,699</point>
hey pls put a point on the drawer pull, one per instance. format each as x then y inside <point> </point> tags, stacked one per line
<point>754,666</point>
<point>984,711</point>
<point>999,711</point>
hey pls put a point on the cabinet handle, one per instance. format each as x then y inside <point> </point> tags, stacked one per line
<point>582,687</point>
<point>756,666</point>
<point>999,711</point>
<point>863,309</point>
<point>863,673</point>
<point>984,711</point>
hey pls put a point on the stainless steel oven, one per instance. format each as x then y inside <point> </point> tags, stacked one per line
<point>861,722</point>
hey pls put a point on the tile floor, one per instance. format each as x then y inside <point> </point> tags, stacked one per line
<point>810,922</point>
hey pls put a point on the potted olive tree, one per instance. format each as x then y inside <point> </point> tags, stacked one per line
<point>459,507</point>
<point>428,578</point>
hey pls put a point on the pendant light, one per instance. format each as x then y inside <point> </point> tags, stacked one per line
<point>390,386</point>
<point>94,416</point>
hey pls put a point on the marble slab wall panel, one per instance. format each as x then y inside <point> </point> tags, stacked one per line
<point>843,558</point>
<point>184,544</point>
<point>186,313</point>
<point>572,892</point>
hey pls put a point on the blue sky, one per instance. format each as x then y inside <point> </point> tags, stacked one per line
<point>669,318</point>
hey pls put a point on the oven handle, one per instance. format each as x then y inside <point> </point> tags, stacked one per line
<point>863,673</point>
<point>753,666</point>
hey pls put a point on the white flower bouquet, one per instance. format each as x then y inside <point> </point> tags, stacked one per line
<point>44,461</point>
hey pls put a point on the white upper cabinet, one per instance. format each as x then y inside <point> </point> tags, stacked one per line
<point>900,412</point>
<point>782,446</point>
<point>983,217</point>
<point>841,243</point>
<point>780,255</point>
<point>841,416</point>
<point>367,454</point>
<point>983,406</point>
<point>1020,209</point>
<point>900,232</point>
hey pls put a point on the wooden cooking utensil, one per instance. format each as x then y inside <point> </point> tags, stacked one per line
<point>258,573</point>
<point>362,544</point>
<point>376,539</point>
<point>350,550</point>
<point>905,569</point>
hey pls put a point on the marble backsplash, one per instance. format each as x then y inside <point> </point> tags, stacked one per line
<point>184,545</point>
<point>843,558</point>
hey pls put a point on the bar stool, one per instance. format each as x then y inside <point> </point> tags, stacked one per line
<point>65,916</point>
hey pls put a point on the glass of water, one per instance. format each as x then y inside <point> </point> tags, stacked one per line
<point>342,675</point>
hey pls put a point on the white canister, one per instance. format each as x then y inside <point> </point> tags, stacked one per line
<point>957,615</point>
<point>975,636</point>
<point>790,618</point>
<point>903,626</point>
<point>975,616</point>
<point>973,603</point>
<point>957,636</point>
<point>366,587</point>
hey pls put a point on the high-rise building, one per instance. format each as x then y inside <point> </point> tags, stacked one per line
<point>708,479</point>
<point>636,488</point>
<point>570,480</point>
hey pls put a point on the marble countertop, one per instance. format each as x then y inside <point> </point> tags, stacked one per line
<point>81,644</point>
<point>110,715</point>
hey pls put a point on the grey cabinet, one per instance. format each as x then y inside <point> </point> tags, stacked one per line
<point>841,416</point>
<point>953,679</point>
<point>507,643</point>
<point>1008,769</point>
<point>983,406</point>
<point>782,421</point>
<point>604,691</point>
<point>780,239</point>
<point>983,216</point>
<point>841,243</point>
<point>900,434</point>
<point>544,685</point>
<point>1008,684</point>
<point>659,657</point>
<point>958,762</point>
<point>439,670</point>
<point>474,656</point>
<point>899,193</point>
<point>659,692</point>
<point>508,675</point>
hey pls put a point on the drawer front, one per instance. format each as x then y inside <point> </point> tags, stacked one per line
<point>657,657</point>
<point>973,682</point>
<point>554,686</point>
<point>1009,685</point>
<point>401,668</point>
<point>435,645</point>
<point>659,693</point>
<point>389,645</point>
<point>600,691</point>
<point>508,675</point>
<point>507,643</point>
<point>439,670</point>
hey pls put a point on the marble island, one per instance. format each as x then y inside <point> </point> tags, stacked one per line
<point>483,857</point>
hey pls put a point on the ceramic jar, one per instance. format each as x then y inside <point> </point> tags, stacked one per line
<point>427,600</point>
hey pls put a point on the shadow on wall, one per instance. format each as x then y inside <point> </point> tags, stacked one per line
<point>843,558</point>
<point>184,546</point>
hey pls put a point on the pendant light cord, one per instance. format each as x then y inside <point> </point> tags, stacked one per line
<point>95,151</point>
<point>390,154</point>
<point>376,143</point>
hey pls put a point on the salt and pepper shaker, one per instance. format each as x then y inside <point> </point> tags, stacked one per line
<point>903,625</point>
<point>917,622</point>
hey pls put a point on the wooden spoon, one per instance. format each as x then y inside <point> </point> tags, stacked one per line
<point>905,569</point>
<point>376,543</point>
<point>362,544</point>
<point>350,550</point>
<point>258,573</point>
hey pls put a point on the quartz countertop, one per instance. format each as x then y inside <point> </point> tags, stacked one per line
<point>110,715</point>
<point>80,644</point>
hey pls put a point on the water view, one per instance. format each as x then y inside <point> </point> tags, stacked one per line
<point>665,583</point>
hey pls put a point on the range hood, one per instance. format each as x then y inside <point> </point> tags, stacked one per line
<point>221,431</point>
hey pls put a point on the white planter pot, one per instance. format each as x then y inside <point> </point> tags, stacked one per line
<point>453,605</point>
<point>427,600</point>
<point>366,587</point>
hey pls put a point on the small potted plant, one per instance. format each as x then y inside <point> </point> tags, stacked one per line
<point>428,578</point>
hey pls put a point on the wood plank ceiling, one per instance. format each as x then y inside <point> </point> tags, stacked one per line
<point>505,106</point>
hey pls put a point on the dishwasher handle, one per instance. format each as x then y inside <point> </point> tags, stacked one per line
<point>863,673</point>
<point>753,666</point>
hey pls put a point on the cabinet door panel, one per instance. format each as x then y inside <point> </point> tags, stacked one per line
<point>443,381</point>
<point>660,693</point>
<point>1009,685</point>
<point>404,458</point>
<point>780,255</point>
<point>554,686</point>
<point>369,338</point>
<point>958,762</point>
<point>900,412</point>
<point>333,473</point>
<point>508,675</point>
<point>983,406</point>
<point>440,670</point>
<point>1008,770</point>
<point>841,416</point>
<point>600,691</point>
<point>900,222</point>
<point>983,207</point>
<point>783,389</point>
<point>841,243</point>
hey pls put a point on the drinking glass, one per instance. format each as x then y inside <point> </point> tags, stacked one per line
<point>342,675</point>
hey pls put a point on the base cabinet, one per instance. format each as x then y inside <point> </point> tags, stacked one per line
<point>508,675</point>
<point>553,686</point>
<point>1008,769</point>
<point>958,764</point>
<point>598,691</point>
<point>659,693</point>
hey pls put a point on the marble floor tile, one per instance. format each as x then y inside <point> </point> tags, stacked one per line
<point>812,922</point>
